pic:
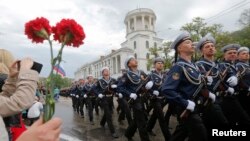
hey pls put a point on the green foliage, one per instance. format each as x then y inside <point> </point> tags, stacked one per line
<point>58,80</point>
<point>155,52</point>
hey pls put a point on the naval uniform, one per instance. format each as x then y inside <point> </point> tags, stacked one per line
<point>230,105</point>
<point>128,84</point>
<point>244,85</point>
<point>182,81</point>
<point>103,87</point>
<point>90,99</point>
<point>157,103</point>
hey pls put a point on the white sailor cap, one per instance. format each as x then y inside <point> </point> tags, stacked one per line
<point>90,75</point>
<point>181,38</point>
<point>206,39</point>
<point>158,59</point>
<point>243,49</point>
<point>127,61</point>
<point>230,47</point>
<point>104,68</point>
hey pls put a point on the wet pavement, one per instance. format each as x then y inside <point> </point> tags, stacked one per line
<point>76,128</point>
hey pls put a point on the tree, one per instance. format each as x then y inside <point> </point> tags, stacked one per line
<point>59,81</point>
<point>164,51</point>
<point>198,28</point>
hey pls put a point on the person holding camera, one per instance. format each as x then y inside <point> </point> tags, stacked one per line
<point>17,94</point>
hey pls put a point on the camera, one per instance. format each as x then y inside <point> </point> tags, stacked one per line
<point>36,66</point>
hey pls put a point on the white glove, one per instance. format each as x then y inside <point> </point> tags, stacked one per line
<point>120,95</point>
<point>190,106</point>
<point>233,81</point>
<point>85,96</point>
<point>133,96</point>
<point>113,86</point>
<point>71,94</point>
<point>249,89</point>
<point>230,90</point>
<point>149,85</point>
<point>77,96</point>
<point>212,97</point>
<point>156,92</point>
<point>209,80</point>
<point>100,95</point>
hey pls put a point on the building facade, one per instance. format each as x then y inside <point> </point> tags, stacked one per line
<point>140,36</point>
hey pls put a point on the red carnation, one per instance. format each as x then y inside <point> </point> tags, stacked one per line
<point>69,32</point>
<point>38,30</point>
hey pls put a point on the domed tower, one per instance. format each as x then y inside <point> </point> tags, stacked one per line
<point>141,35</point>
<point>140,20</point>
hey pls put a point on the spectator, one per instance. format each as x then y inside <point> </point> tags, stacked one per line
<point>18,94</point>
<point>35,110</point>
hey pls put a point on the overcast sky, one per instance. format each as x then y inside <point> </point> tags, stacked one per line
<point>102,21</point>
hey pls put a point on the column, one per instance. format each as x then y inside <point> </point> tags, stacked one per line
<point>129,30</point>
<point>116,64</point>
<point>143,25</point>
<point>134,23</point>
<point>150,26</point>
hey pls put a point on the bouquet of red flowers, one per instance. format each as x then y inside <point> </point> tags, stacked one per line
<point>67,32</point>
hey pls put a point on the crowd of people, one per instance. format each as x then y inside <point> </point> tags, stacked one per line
<point>203,95</point>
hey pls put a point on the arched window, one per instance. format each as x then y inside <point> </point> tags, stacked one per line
<point>135,56</point>
<point>155,44</point>
<point>134,44</point>
<point>147,44</point>
<point>147,55</point>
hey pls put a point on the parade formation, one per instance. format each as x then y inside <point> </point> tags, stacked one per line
<point>203,96</point>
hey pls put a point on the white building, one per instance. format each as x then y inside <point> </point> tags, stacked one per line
<point>140,36</point>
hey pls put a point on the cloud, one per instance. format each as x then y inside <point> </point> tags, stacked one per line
<point>103,23</point>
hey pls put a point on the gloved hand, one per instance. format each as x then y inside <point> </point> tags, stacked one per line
<point>149,85</point>
<point>77,96</point>
<point>85,96</point>
<point>190,105</point>
<point>233,81</point>
<point>71,94</point>
<point>120,95</point>
<point>100,95</point>
<point>156,93</point>
<point>249,89</point>
<point>113,86</point>
<point>133,96</point>
<point>230,90</point>
<point>212,97</point>
<point>209,80</point>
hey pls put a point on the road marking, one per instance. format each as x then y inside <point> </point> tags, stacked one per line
<point>69,138</point>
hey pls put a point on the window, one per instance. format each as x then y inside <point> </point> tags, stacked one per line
<point>134,44</point>
<point>135,56</point>
<point>147,44</point>
<point>155,44</point>
<point>147,55</point>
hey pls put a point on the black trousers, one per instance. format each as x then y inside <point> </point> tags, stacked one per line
<point>81,105</point>
<point>244,99</point>
<point>157,105</point>
<point>125,110</point>
<point>74,102</point>
<point>192,127</point>
<point>91,105</point>
<point>139,121</point>
<point>234,112</point>
<point>214,118</point>
<point>107,105</point>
